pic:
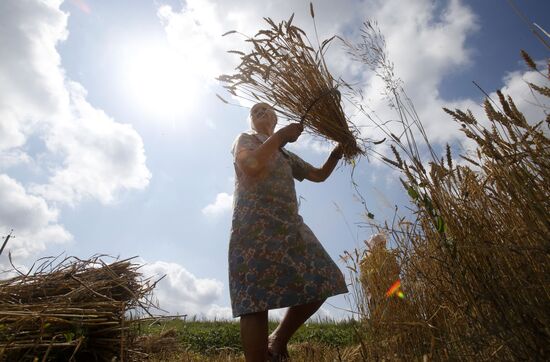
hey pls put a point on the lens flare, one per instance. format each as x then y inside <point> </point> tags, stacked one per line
<point>394,289</point>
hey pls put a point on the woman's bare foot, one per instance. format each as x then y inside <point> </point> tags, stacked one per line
<point>277,351</point>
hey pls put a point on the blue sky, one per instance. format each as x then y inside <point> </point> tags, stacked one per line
<point>112,140</point>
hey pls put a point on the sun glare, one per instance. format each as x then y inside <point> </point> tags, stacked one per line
<point>157,81</point>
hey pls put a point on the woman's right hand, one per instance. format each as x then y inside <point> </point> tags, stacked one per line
<point>290,133</point>
<point>252,162</point>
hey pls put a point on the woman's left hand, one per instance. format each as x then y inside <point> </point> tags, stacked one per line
<point>337,152</point>
<point>321,174</point>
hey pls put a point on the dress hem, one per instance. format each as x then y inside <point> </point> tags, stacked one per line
<point>311,300</point>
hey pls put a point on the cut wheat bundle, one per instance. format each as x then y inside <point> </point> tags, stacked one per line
<point>72,309</point>
<point>285,71</point>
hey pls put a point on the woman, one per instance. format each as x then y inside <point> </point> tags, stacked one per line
<point>275,260</point>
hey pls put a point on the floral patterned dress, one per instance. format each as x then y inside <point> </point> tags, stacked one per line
<point>275,260</point>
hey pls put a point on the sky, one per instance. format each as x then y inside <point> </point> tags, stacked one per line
<point>112,140</point>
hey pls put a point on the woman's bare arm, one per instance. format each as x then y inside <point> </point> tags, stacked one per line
<point>252,162</point>
<point>321,174</point>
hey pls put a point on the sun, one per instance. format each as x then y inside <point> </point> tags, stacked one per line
<point>156,80</point>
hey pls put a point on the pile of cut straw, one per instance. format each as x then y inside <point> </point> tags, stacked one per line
<point>71,309</point>
<point>287,73</point>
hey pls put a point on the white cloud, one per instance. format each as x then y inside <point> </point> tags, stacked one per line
<point>532,104</point>
<point>196,34</point>
<point>181,292</point>
<point>311,143</point>
<point>222,204</point>
<point>216,312</point>
<point>425,42</point>
<point>196,29</point>
<point>88,154</point>
<point>73,150</point>
<point>34,223</point>
<point>101,155</point>
<point>13,157</point>
<point>32,85</point>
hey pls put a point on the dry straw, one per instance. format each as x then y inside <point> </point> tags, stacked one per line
<point>71,309</point>
<point>284,70</point>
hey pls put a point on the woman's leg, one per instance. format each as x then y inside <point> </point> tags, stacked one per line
<point>254,336</point>
<point>295,316</point>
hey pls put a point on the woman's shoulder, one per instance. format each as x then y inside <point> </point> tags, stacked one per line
<point>244,136</point>
<point>244,139</point>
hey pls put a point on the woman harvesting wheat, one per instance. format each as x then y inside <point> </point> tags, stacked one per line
<point>275,260</point>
